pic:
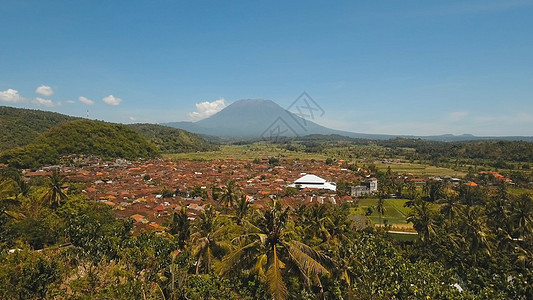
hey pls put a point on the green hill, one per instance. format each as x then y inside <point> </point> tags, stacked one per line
<point>31,138</point>
<point>105,140</point>
<point>20,127</point>
<point>172,140</point>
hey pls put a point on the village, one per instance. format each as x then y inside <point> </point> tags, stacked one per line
<point>149,191</point>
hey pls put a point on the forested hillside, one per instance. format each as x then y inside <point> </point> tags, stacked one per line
<point>19,127</point>
<point>105,140</point>
<point>172,140</point>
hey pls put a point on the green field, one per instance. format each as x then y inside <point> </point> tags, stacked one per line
<point>395,212</point>
<point>419,170</point>
<point>247,152</point>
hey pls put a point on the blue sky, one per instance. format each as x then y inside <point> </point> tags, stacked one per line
<point>396,67</point>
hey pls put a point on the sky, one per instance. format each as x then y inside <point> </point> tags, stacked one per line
<point>387,67</point>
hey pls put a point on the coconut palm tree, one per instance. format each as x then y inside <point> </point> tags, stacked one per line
<point>242,209</point>
<point>180,227</point>
<point>522,216</point>
<point>451,207</point>
<point>208,240</point>
<point>230,194</point>
<point>474,230</point>
<point>54,193</point>
<point>423,219</point>
<point>267,250</point>
<point>380,206</point>
<point>317,217</point>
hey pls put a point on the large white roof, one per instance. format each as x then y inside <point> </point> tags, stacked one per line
<point>310,178</point>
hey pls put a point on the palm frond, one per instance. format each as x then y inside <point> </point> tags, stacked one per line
<point>308,259</point>
<point>234,258</point>
<point>275,283</point>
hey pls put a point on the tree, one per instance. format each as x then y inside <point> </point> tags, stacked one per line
<point>522,216</point>
<point>267,248</point>
<point>451,207</point>
<point>54,193</point>
<point>242,209</point>
<point>207,240</point>
<point>474,230</point>
<point>230,194</point>
<point>380,206</point>
<point>180,227</point>
<point>423,219</point>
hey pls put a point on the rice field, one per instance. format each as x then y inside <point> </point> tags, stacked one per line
<point>395,212</point>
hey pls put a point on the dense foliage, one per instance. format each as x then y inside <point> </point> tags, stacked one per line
<point>495,153</point>
<point>82,137</point>
<point>475,243</point>
<point>172,140</point>
<point>20,127</point>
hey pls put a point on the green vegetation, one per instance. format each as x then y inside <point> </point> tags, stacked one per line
<point>81,137</point>
<point>20,127</point>
<point>256,150</point>
<point>33,138</point>
<point>395,211</point>
<point>242,252</point>
<point>172,140</point>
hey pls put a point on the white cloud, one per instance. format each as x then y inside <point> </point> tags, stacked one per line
<point>11,95</point>
<point>86,100</point>
<point>112,100</point>
<point>207,109</point>
<point>44,90</point>
<point>45,102</point>
<point>70,101</point>
<point>133,119</point>
<point>457,116</point>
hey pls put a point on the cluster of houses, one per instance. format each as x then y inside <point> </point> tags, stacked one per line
<point>148,191</point>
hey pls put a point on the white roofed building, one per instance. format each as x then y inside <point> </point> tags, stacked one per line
<point>313,182</point>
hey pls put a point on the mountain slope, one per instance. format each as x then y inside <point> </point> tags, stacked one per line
<point>257,118</point>
<point>172,140</point>
<point>20,127</point>
<point>105,140</point>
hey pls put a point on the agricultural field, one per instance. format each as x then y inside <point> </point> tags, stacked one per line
<point>418,170</point>
<point>246,152</point>
<point>395,211</point>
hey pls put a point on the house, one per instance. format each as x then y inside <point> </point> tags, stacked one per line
<point>367,187</point>
<point>313,182</point>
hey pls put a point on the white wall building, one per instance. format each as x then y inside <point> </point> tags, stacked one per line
<point>313,182</point>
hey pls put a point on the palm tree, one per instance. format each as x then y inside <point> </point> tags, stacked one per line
<point>522,216</point>
<point>267,249</point>
<point>423,219</point>
<point>380,206</point>
<point>242,208</point>
<point>208,240</point>
<point>230,194</point>
<point>317,217</point>
<point>451,207</point>
<point>180,227</point>
<point>54,194</point>
<point>475,231</point>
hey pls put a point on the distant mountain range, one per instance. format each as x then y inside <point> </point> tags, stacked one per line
<point>264,119</point>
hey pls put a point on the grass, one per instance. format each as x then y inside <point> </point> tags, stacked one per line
<point>395,212</point>
<point>403,237</point>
